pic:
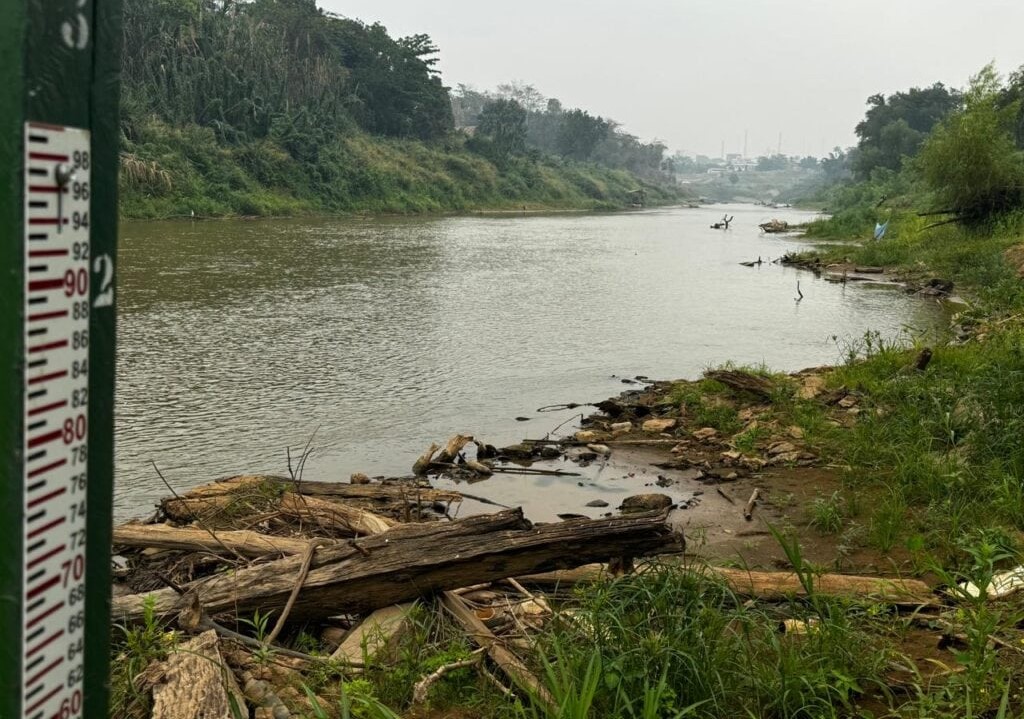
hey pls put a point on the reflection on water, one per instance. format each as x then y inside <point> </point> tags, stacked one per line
<point>239,339</point>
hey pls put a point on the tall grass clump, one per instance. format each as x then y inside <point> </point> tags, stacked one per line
<point>674,642</point>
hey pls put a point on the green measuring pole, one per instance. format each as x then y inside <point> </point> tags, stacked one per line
<point>59,67</point>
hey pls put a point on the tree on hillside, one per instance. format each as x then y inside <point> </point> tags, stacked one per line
<point>529,97</point>
<point>579,134</point>
<point>837,166</point>
<point>501,129</point>
<point>897,125</point>
<point>971,161</point>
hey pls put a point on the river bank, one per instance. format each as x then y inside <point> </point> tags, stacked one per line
<point>184,172</point>
<point>258,336</point>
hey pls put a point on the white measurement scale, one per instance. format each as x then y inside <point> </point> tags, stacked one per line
<point>56,417</point>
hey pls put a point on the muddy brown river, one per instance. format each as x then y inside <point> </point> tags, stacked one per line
<point>373,337</point>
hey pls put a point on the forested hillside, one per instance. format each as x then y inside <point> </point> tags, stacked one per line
<point>273,107</point>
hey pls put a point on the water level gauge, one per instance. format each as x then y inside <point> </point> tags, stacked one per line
<point>56,418</point>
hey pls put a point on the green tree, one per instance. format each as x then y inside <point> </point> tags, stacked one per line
<point>579,134</point>
<point>501,129</point>
<point>971,161</point>
<point>897,125</point>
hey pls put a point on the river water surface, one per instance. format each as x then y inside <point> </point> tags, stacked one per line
<point>239,339</point>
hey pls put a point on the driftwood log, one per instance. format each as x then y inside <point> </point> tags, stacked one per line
<point>240,494</point>
<point>243,542</point>
<point>410,561</point>
<point>743,382</point>
<point>340,518</point>
<point>772,586</point>
<point>194,682</point>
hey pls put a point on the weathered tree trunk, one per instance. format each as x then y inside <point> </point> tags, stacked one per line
<point>767,585</point>
<point>376,492</point>
<point>409,561</point>
<point>244,542</point>
<point>196,683</point>
<point>234,495</point>
<point>422,463</point>
<point>453,447</point>
<point>339,518</point>
<point>742,381</point>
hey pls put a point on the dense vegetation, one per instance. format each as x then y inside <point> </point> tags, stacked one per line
<point>274,107</point>
<point>543,126</point>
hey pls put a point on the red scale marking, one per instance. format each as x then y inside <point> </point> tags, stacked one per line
<point>48,377</point>
<point>47,407</point>
<point>46,126</point>
<point>52,553</point>
<point>44,615</point>
<point>40,285</point>
<point>35,592</point>
<point>47,497</point>
<point>45,699</point>
<point>47,188</point>
<point>44,438</point>
<point>47,221</point>
<point>47,315</point>
<point>53,157</point>
<point>48,346</point>
<point>47,527</point>
<point>44,671</point>
<point>47,253</point>
<point>47,468</point>
<point>44,643</point>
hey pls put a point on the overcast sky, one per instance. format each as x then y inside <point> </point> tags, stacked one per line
<point>695,73</point>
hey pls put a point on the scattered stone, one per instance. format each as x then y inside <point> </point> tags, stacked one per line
<point>781,448</point>
<point>705,433</point>
<point>731,456</point>
<point>569,515</point>
<point>848,401</point>
<point>522,419</point>
<point>597,503</point>
<point>587,435</point>
<point>664,481</point>
<point>602,449</point>
<point>812,386</point>
<point>785,458</point>
<point>621,428</point>
<point>731,477</point>
<point>659,425</point>
<point>752,463</point>
<point>359,478</point>
<point>549,452</point>
<point>795,432</point>
<point>645,502</point>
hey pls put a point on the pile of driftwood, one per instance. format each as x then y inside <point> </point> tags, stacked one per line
<point>346,559</point>
<point>774,225</point>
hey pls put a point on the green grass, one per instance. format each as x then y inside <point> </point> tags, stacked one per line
<point>173,171</point>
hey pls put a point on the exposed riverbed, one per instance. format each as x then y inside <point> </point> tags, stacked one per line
<point>239,339</point>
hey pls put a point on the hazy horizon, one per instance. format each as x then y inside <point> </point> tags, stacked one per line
<point>697,74</point>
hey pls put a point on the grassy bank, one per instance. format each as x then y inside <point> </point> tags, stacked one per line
<point>175,171</point>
